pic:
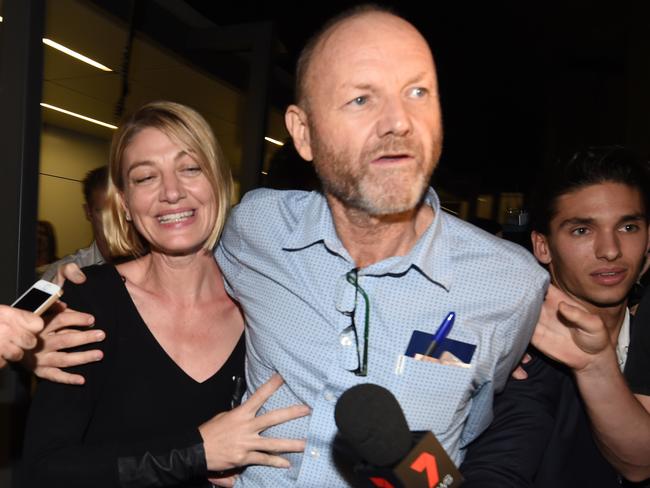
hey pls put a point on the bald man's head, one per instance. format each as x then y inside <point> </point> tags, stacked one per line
<point>313,45</point>
<point>368,114</point>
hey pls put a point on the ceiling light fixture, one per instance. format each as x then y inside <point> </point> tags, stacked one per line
<point>274,141</point>
<point>79,116</point>
<point>75,54</point>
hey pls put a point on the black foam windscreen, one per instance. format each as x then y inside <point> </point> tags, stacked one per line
<point>369,417</point>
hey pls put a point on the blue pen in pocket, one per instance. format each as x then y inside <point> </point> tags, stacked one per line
<point>434,344</point>
<point>441,333</point>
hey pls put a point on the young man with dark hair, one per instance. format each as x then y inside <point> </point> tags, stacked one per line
<point>590,228</point>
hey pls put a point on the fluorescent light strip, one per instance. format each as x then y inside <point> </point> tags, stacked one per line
<point>274,141</point>
<point>83,117</point>
<point>75,54</point>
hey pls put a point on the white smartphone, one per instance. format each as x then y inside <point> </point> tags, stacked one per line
<point>39,297</point>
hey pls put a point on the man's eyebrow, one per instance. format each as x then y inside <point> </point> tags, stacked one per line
<point>422,75</point>
<point>358,86</point>
<point>577,221</point>
<point>590,220</point>
<point>633,217</point>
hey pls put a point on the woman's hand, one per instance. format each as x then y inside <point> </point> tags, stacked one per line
<point>232,439</point>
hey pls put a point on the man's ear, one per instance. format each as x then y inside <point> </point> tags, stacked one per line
<point>540,247</point>
<point>296,120</point>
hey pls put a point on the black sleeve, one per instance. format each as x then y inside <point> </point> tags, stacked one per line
<point>55,454</point>
<point>637,367</point>
<point>509,452</point>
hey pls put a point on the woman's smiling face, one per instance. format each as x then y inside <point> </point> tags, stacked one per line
<point>166,194</point>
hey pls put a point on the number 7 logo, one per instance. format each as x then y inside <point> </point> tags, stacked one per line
<point>427,462</point>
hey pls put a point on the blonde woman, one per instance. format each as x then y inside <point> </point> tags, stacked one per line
<point>174,350</point>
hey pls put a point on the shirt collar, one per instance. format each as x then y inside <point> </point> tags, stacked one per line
<point>96,254</point>
<point>316,225</point>
<point>431,255</point>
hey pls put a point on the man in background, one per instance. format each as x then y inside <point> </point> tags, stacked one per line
<point>94,188</point>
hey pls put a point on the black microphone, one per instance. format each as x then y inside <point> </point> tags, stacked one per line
<point>372,422</point>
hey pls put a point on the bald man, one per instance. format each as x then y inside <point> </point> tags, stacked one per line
<point>335,284</point>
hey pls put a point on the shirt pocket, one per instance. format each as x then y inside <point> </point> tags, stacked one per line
<point>431,394</point>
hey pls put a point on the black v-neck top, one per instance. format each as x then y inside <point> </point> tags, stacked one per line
<point>136,401</point>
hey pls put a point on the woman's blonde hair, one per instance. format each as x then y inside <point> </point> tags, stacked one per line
<point>190,130</point>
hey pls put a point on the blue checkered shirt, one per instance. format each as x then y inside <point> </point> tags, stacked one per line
<point>283,261</point>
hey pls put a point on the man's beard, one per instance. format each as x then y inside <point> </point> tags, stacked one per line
<point>375,191</point>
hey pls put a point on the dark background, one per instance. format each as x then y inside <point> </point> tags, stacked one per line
<point>520,81</point>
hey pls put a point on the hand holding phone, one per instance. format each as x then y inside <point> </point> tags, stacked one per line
<point>18,331</point>
<point>40,296</point>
